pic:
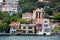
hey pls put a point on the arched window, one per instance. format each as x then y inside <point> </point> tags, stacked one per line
<point>45,21</point>
<point>36,14</point>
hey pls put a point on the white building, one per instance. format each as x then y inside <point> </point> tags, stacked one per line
<point>1,0</point>
<point>43,28</point>
<point>14,26</point>
<point>5,8</point>
<point>10,5</point>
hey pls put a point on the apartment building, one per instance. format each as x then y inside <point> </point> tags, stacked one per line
<point>27,28</point>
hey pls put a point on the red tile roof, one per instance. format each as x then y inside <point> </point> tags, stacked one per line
<point>14,24</point>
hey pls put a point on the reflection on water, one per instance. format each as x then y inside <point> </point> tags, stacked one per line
<point>30,37</point>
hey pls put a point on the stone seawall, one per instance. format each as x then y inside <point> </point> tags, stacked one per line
<point>8,34</point>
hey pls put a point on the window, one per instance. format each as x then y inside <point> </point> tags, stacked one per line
<point>40,29</point>
<point>30,32</point>
<point>45,25</point>
<point>36,14</point>
<point>14,28</point>
<point>13,31</point>
<point>39,25</point>
<point>43,15</point>
<point>24,27</point>
<point>29,27</point>
<point>45,21</point>
<point>39,14</point>
<point>19,27</point>
<point>24,31</point>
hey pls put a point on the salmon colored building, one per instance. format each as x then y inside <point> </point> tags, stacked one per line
<point>38,15</point>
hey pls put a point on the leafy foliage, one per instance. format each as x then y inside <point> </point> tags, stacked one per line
<point>22,21</point>
<point>6,19</point>
<point>56,29</point>
<point>27,5</point>
<point>3,27</point>
<point>57,16</point>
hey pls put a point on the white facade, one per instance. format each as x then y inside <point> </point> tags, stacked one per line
<point>5,8</point>
<point>44,28</point>
<point>12,30</point>
<point>1,0</point>
<point>14,26</point>
<point>13,7</point>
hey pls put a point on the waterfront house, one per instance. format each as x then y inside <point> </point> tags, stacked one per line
<point>43,27</point>
<point>27,16</point>
<point>14,26</point>
<point>42,24</point>
<point>27,28</point>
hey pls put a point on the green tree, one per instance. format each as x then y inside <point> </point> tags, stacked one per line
<point>55,1</point>
<point>5,14</point>
<point>56,29</point>
<point>57,16</point>
<point>13,19</point>
<point>58,8</point>
<point>5,17</point>
<point>19,15</point>
<point>48,10</point>
<point>3,27</point>
<point>0,14</point>
<point>22,21</point>
<point>27,5</point>
<point>40,4</point>
<point>47,15</point>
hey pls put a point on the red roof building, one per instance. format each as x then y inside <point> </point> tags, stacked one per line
<point>14,24</point>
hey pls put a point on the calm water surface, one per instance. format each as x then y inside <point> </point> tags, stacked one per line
<point>30,37</point>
